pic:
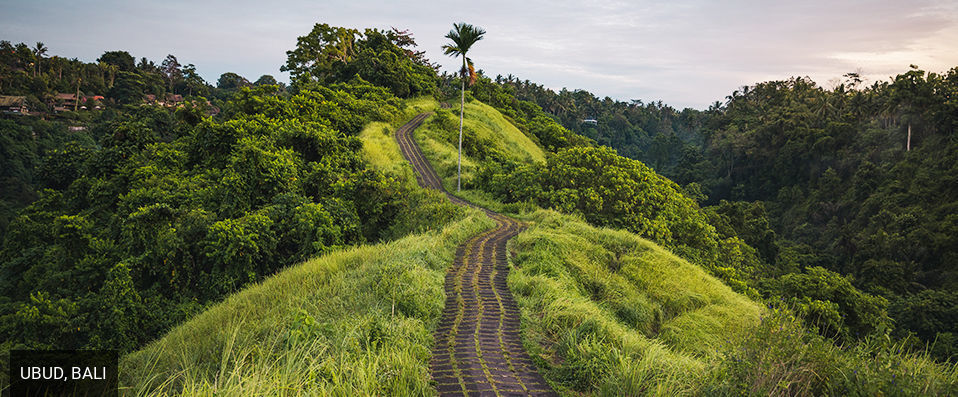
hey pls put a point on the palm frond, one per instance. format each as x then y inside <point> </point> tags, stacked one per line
<point>464,36</point>
<point>449,49</point>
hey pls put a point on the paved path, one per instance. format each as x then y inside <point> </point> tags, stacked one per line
<point>478,348</point>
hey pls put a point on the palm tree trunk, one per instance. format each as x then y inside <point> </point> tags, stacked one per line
<point>462,106</point>
<point>908,143</point>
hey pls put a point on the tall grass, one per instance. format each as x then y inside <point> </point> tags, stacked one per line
<point>603,311</point>
<point>606,312</point>
<point>354,322</point>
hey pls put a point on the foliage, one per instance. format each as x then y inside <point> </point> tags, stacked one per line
<point>35,154</point>
<point>463,36</point>
<point>829,302</point>
<point>169,212</point>
<point>654,133</point>
<point>231,81</point>
<point>115,76</point>
<point>527,116</point>
<point>488,139</point>
<point>782,357</point>
<point>122,60</point>
<point>748,221</point>
<point>932,315</point>
<point>330,54</point>
<point>834,169</point>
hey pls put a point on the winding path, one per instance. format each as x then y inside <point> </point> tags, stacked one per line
<point>478,348</point>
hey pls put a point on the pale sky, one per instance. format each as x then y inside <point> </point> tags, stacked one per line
<point>685,53</point>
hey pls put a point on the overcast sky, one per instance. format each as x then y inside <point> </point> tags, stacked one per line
<point>685,53</point>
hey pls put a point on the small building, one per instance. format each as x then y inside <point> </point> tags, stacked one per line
<point>64,102</point>
<point>591,121</point>
<point>13,104</point>
<point>170,100</point>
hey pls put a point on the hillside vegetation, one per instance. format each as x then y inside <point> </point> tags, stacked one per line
<point>855,182</point>
<point>379,141</point>
<point>172,211</point>
<point>354,322</point>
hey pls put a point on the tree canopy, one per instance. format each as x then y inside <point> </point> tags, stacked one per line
<point>330,54</point>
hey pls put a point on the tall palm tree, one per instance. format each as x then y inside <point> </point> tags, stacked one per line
<point>463,36</point>
<point>39,52</point>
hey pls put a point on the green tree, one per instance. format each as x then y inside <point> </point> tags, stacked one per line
<point>231,81</point>
<point>121,59</point>
<point>194,83</point>
<point>829,301</point>
<point>266,80</point>
<point>912,93</point>
<point>128,88</point>
<point>318,54</point>
<point>171,69</point>
<point>463,36</point>
<point>331,54</point>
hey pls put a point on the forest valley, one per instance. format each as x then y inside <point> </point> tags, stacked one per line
<point>126,218</point>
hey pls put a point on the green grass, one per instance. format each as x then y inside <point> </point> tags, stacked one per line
<point>438,139</point>
<point>379,147</point>
<point>606,311</point>
<point>486,122</point>
<point>379,142</point>
<point>354,322</point>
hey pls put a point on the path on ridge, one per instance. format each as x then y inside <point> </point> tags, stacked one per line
<point>478,348</point>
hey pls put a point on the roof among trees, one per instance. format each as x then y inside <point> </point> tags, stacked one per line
<point>8,100</point>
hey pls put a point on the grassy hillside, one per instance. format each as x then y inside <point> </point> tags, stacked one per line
<point>355,322</point>
<point>608,311</point>
<point>379,142</point>
<point>485,133</point>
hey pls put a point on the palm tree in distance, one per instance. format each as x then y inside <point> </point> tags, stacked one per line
<point>463,36</point>
<point>39,52</point>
